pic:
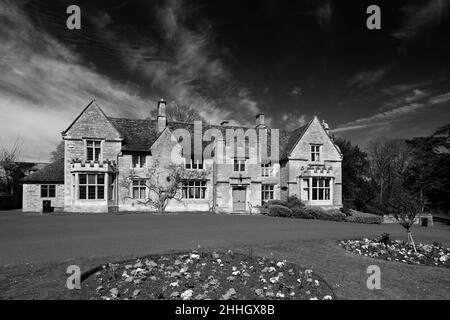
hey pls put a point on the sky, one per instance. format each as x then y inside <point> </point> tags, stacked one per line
<point>230,60</point>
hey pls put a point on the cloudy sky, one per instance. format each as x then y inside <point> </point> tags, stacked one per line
<point>228,59</point>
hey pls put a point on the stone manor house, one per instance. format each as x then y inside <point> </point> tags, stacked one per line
<point>106,160</point>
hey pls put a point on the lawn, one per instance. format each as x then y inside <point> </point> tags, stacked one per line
<point>343,271</point>
<point>36,250</point>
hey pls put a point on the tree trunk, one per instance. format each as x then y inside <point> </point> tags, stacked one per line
<point>411,240</point>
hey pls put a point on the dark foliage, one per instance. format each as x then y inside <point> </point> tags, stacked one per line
<point>279,211</point>
<point>357,190</point>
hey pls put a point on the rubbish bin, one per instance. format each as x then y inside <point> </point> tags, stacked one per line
<point>47,206</point>
<point>424,222</point>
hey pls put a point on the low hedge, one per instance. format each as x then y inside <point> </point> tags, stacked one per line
<point>367,220</point>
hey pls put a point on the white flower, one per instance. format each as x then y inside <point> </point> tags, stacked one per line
<point>327,297</point>
<point>281,264</point>
<point>314,298</point>
<point>186,295</point>
<point>280,295</point>
<point>316,282</point>
<point>272,269</point>
<point>174,284</point>
<point>274,279</point>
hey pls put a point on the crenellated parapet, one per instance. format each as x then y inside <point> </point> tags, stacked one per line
<point>77,165</point>
<point>317,171</point>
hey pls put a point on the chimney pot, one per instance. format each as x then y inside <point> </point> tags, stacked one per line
<point>162,120</point>
<point>260,120</point>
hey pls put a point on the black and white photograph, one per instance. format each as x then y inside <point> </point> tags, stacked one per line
<point>219,157</point>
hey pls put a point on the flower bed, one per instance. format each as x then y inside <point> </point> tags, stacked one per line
<point>400,251</point>
<point>205,276</point>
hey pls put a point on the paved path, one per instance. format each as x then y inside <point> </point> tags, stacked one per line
<point>35,238</point>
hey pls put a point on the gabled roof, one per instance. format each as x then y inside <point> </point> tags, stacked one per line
<point>291,139</point>
<point>51,173</point>
<point>92,103</point>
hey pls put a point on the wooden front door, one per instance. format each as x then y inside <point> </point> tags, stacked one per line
<point>239,199</point>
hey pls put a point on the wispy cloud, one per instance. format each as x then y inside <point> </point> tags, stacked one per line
<point>367,78</point>
<point>296,92</point>
<point>185,66</point>
<point>43,85</point>
<point>419,18</point>
<point>394,114</point>
<point>292,120</point>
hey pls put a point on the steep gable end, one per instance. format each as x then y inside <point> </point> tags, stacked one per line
<point>314,133</point>
<point>92,123</point>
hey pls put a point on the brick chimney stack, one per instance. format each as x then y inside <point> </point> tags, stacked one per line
<point>162,119</point>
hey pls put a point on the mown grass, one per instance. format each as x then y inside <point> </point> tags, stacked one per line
<point>345,272</point>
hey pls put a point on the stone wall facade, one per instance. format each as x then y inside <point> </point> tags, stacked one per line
<point>33,202</point>
<point>227,189</point>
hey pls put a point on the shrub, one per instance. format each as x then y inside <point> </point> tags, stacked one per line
<point>346,210</point>
<point>301,213</point>
<point>320,214</point>
<point>293,201</point>
<point>367,220</point>
<point>385,239</point>
<point>277,210</point>
<point>376,209</point>
<point>262,209</point>
<point>269,203</point>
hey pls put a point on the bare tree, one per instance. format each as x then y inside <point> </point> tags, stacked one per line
<point>180,113</point>
<point>405,208</point>
<point>163,183</point>
<point>9,155</point>
<point>58,153</point>
<point>388,159</point>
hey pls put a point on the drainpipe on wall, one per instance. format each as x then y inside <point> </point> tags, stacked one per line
<point>214,186</point>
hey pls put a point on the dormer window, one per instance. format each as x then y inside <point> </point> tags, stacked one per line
<point>138,160</point>
<point>93,150</point>
<point>193,164</point>
<point>267,169</point>
<point>239,165</point>
<point>315,153</point>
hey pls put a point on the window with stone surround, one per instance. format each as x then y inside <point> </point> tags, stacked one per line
<point>267,192</point>
<point>193,164</point>
<point>93,150</point>
<point>239,165</point>
<point>315,153</point>
<point>48,191</point>
<point>267,169</point>
<point>91,186</point>
<point>138,160</point>
<point>194,189</point>
<point>139,189</point>
<point>321,188</point>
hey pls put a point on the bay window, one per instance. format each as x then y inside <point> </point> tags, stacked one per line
<point>321,188</point>
<point>91,186</point>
